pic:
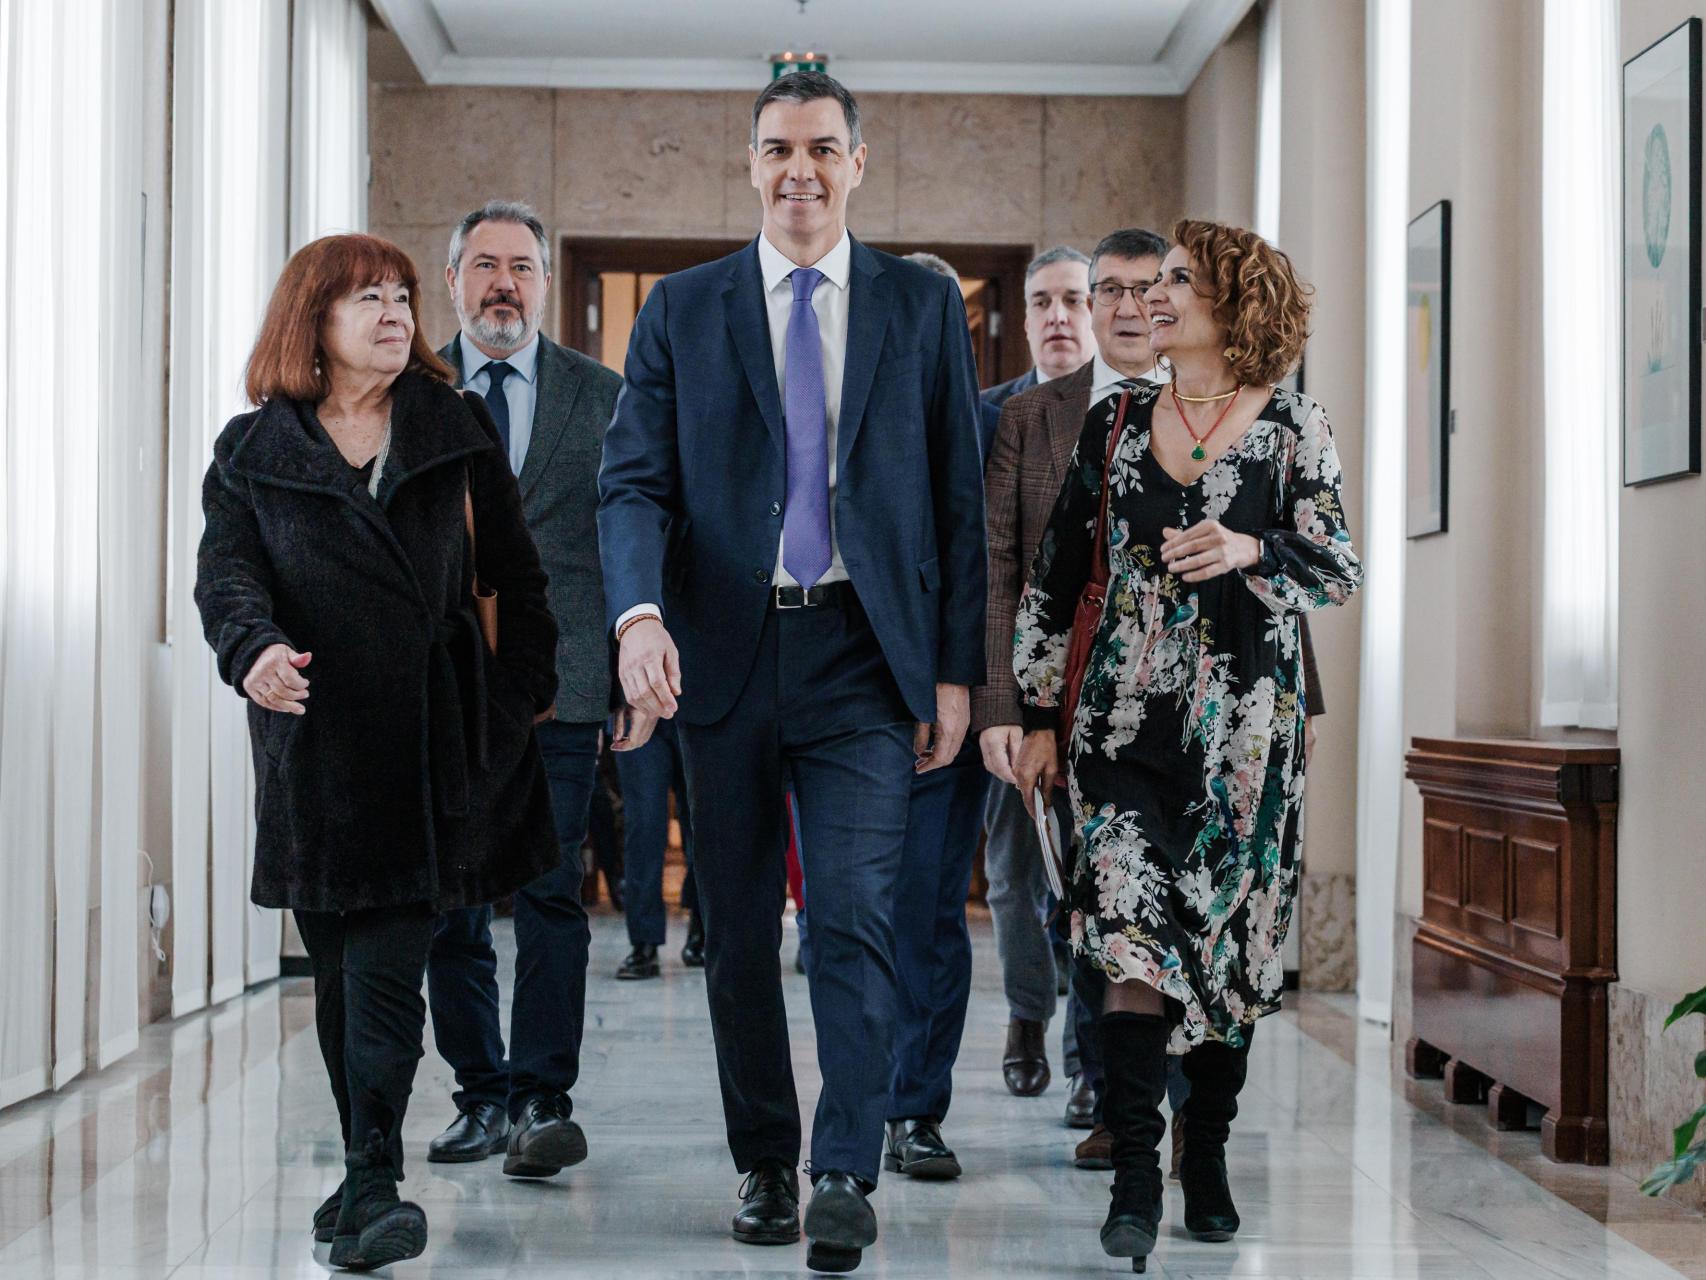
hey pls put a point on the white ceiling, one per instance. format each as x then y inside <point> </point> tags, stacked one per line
<point>949,46</point>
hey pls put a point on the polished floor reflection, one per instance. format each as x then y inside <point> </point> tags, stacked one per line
<point>204,1155</point>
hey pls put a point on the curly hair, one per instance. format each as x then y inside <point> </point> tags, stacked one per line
<point>1255,294</point>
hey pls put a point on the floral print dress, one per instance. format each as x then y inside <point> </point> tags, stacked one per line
<point>1185,766</point>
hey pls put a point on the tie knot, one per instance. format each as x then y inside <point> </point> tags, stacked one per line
<point>498,370</point>
<point>805,280</point>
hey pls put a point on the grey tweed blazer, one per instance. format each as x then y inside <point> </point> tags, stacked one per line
<point>559,499</point>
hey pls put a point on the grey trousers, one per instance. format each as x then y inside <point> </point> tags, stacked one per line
<point>1019,904</point>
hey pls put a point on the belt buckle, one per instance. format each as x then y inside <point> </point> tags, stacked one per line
<point>776,597</point>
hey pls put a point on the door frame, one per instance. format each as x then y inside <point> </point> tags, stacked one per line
<point>580,259</point>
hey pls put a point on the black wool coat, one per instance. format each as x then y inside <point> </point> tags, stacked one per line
<point>414,777</point>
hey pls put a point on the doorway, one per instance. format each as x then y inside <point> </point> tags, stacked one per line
<point>607,281</point>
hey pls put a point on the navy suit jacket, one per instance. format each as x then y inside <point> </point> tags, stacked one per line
<point>694,475</point>
<point>1002,392</point>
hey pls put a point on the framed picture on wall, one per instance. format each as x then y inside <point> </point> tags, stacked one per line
<point>1427,377</point>
<point>1661,259</point>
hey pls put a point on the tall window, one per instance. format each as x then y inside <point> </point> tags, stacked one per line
<point>1579,192</point>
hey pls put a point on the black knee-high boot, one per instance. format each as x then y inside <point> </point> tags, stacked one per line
<point>1216,1072</point>
<point>1134,1052</point>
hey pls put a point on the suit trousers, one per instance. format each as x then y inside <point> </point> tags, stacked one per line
<point>820,708</point>
<point>369,1015</point>
<point>648,775</point>
<point>552,939</point>
<point>932,944</point>
<point>1019,905</point>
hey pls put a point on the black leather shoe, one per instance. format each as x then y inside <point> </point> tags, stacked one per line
<point>480,1131</point>
<point>915,1148</point>
<point>1080,1102</point>
<point>544,1139</point>
<point>642,962</point>
<point>840,1223</point>
<point>693,950</point>
<point>1024,1065</point>
<point>326,1217</point>
<point>769,1205</point>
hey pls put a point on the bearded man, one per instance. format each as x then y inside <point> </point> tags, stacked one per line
<point>551,406</point>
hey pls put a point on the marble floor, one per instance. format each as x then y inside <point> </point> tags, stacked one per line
<point>204,1154</point>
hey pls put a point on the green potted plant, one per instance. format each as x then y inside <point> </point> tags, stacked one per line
<point>1690,1149</point>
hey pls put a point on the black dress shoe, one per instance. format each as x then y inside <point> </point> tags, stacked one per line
<point>693,950</point>
<point>840,1223</point>
<point>480,1131</point>
<point>642,962</point>
<point>326,1216</point>
<point>1024,1065</point>
<point>915,1148</point>
<point>769,1205</point>
<point>1080,1102</point>
<point>544,1139</point>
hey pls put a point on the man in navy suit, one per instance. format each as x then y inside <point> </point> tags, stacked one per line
<point>791,523</point>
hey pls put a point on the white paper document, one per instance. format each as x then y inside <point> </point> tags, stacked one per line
<point>1048,835</point>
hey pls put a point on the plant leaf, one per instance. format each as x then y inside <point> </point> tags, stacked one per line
<point>1685,1131</point>
<point>1694,1002</point>
<point>1700,1064</point>
<point>1672,1172</point>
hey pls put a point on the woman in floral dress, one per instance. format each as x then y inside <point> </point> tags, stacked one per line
<point>1186,756</point>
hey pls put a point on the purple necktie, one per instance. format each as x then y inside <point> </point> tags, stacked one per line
<point>805,520</point>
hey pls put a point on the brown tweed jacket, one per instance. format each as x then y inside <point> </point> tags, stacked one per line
<point>1027,466</point>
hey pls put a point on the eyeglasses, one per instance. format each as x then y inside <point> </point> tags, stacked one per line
<point>1109,292</point>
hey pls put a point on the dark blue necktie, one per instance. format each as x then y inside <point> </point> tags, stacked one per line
<point>498,402</point>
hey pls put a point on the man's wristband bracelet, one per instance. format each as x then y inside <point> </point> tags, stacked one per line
<point>636,619</point>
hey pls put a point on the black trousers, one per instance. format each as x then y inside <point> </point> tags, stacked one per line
<point>369,1015</point>
<point>821,710</point>
<point>552,938</point>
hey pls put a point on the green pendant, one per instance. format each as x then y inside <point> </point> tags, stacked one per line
<point>1198,454</point>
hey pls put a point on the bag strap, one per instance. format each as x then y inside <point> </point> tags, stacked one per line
<point>1099,559</point>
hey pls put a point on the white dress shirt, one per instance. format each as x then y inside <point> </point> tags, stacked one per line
<point>829,301</point>
<point>1106,379</point>
<point>521,389</point>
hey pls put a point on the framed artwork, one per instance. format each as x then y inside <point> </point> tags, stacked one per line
<point>1427,373</point>
<point>1293,381</point>
<point>1661,259</point>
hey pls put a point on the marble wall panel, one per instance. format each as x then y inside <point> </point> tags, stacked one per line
<point>640,163</point>
<point>1326,919</point>
<point>971,167</point>
<point>1110,163</point>
<point>1653,1085</point>
<point>1403,1004</point>
<point>441,151</point>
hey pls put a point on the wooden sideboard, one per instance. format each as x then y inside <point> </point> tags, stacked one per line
<point>1518,937</point>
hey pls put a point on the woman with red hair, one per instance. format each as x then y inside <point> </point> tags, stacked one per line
<point>1209,512</point>
<point>396,770</point>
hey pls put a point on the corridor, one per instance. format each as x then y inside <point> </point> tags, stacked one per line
<point>202,1156</point>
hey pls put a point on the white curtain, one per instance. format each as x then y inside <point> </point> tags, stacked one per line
<point>1380,728</point>
<point>328,120</point>
<point>1268,127</point>
<point>230,111</point>
<point>1580,123</point>
<point>69,205</point>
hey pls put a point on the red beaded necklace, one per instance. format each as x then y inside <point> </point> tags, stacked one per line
<point>1198,453</point>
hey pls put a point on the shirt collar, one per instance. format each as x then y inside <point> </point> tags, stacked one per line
<point>836,265</point>
<point>1105,377</point>
<point>525,361</point>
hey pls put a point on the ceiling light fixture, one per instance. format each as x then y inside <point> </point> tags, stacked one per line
<point>790,61</point>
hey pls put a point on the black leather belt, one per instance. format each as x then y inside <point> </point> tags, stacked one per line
<point>836,593</point>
